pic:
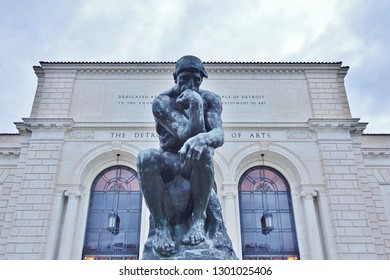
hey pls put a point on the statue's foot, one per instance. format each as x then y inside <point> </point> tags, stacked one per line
<point>195,234</point>
<point>163,243</point>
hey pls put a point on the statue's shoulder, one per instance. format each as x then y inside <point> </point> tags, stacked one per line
<point>162,103</point>
<point>212,99</point>
<point>209,95</point>
<point>163,97</point>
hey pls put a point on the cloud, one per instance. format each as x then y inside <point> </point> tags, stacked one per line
<point>132,30</point>
<point>354,32</point>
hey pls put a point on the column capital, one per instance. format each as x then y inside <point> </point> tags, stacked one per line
<point>71,190</point>
<point>229,194</point>
<point>72,193</point>
<point>309,194</point>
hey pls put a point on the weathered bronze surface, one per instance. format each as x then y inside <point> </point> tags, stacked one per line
<point>177,180</point>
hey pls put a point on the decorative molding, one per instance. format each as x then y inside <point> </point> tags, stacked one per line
<point>121,70</point>
<point>375,154</point>
<point>336,124</point>
<point>71,190</point>
<point>149,69</point>
<point>30,124</point>
<point>229,194</point>
<point>254,70</point>
<point>266,68</point>
<point>309,194</point>
<point>300,135</point>
<point>82,135</point>
<point>10,153</point>
<point>72,193</point>
<point>220,70</point>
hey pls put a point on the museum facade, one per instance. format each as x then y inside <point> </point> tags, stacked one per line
<point>296,177</point>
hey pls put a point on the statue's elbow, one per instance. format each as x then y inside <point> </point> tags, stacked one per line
<point>221,139</point>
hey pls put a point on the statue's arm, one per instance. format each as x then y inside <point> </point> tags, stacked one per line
<point>168,114</point>
<point>213,121</point>
<point>213,135</point>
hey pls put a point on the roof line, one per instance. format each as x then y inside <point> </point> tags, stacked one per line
<point>376,134</point>
<point>9,133</point>
<point>172,62</point>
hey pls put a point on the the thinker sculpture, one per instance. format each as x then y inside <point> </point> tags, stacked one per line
<point>177,180</point>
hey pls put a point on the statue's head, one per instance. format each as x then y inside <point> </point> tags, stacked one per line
<point>189,63</point>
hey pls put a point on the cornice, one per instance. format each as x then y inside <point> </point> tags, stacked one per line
<point>351,124</point>
<point>205,62</point>
<point>212,67</point>
<point>376,152</point>
<point>10,152</point>
<point>30,124</point>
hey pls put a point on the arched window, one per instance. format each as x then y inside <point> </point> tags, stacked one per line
<point>113,225</point>
<point>267,219</point>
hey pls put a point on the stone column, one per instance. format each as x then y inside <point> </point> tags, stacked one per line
<point>231,218</point>
<point>312,226</point>
<point>55,224</point>
<point>327,229</point>
<point>67,237</point>
<point>230,207</point>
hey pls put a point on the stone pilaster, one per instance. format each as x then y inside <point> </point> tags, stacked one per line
<point>67,235</point>
<point>312,225</point>
<point>55,225</point>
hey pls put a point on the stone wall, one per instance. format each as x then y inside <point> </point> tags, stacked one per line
<point>297,114</point>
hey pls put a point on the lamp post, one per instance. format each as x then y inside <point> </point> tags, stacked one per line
<point>113,217</point>
<point>266,219</point>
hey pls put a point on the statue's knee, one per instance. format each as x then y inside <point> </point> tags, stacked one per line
<point>206,160</point>
<point>149,160</point>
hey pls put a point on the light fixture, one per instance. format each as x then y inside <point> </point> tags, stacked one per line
<point>266,222</point>
<point>113,217</point>
<point>113,222</point>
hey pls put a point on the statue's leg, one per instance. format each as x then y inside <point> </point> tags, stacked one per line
<point>202,181</point>
<point>150,165</point>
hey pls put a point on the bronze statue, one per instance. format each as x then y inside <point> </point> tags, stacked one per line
<point>177,180</point>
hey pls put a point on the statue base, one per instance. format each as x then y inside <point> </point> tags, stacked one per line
<point>217,244</point>
<point>203,251</point>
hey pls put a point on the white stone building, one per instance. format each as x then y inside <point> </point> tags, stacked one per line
<point>68,186</point>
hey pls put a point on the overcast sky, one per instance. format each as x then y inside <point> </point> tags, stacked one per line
<point>355,32</point>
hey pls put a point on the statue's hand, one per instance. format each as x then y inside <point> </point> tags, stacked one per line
<point>189,98</point>
<point>193,148</point>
